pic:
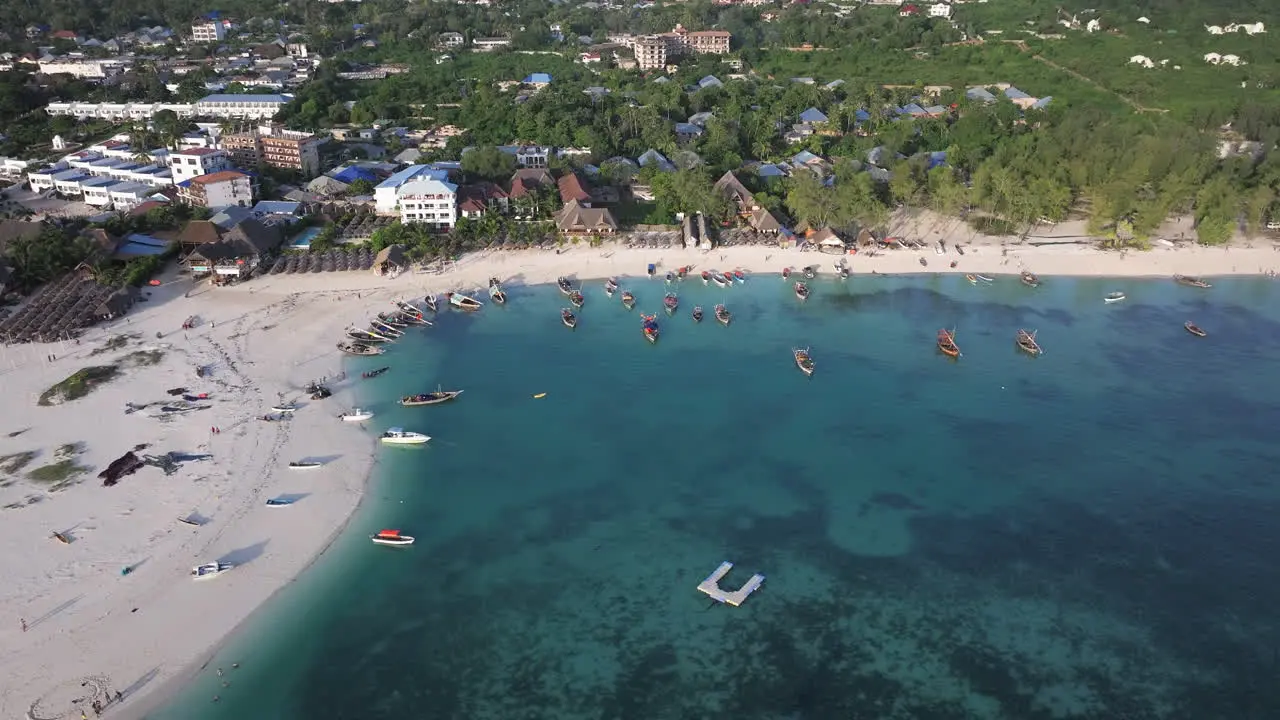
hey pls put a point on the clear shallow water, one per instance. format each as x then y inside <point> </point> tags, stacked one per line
<point>1089,534</point>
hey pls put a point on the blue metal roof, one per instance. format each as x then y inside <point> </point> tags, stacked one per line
<point>813,115</point>
<point>138,245</point>
<point>352,174</point>
<point>412,172</point>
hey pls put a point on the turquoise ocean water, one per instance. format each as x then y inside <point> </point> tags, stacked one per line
<point>1087,534</point>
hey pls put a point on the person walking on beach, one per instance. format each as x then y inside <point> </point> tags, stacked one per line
<point>24,624</point>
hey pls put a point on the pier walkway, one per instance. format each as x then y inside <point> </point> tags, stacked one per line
<point>711,586</point>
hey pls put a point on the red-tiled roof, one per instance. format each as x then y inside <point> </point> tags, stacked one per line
<point>220,176</point>
<point>571,189</point>
<point>197,151</point>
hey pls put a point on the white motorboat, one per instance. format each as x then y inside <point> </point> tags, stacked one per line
<point>391,537</point>
<point>356,415</point>
<point>284,408</point>
<point>305,465</point>
<point>1114,297</point>
<point>209,570</point>
<point>400,436</point>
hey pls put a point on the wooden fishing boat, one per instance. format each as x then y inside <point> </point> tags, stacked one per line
<point>723,316</point>
<point>280,502</point>
<point>209,570</point>
<point>383,328</point>
<point>670,302</point>
<point>1114,297</point>
<point>304,464</point>
<point>565,285</point>
<point>802,291</point>
<point>62,538</point>
<point>391,537</point>
<point>1191,281</point>
<point>1030,279</point>
<point>568,318</point>
<point>577,299</point>
<point>803,360</point>
<point>984,278</point>
<point>706,277</point>
<point>411,318</point>
<point>364,336</point>
<point>947,343</point>
<point>649,326</point>
<point>842,271</point>
<point>1027,343</point>
<point>374,373</point>
<point>651,269</point>
<point>462,302</point>
<point>628,300</point>
<point>392,319</point>
<point>682,271</point>
<point>611,287</point>
<point>1194,329</point>
<point>359,348</point>
<point>739,276</point>
<point>408,308</point>
<point>496,294</point>
<point>284,408</point>
<point>697,314</point>
<point>720,280</point>
<point>786,273</point>
<point>728,277</point>
<point>671,277</point>
<point>810,272</point>
<point>972,280</point>
<point>430,302</point>
<point>431,398</point>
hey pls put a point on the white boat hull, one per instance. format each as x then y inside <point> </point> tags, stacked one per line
<point>357,417</point>
<point>1110,300</point>
<point>406,441</point>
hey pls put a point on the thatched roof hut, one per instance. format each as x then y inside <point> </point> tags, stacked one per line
<point>390,259</point>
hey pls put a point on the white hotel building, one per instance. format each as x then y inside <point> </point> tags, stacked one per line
<point>419,194</point>
<point>246,107</point>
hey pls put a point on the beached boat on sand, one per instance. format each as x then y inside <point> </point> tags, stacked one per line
<point>284,408</point>
<point>628,300</point>
<point>786,273</point>
<point>391,537</point>
<point>1194,329</point>
<point>706,278</point>
<point>972,280</point>
<point>568,318</point>
<point>984,278</point>
<point>1030,279</point>
<point>947,343</point>
<point>304,464</point>
<point>802,291</point>
<point>565,285</point>
<point>400,436</point>
<point>803,360</point>
<point>392,319</point>
<point>670,302</point>
<point>359,348</point>
<point>1114,297</point>
<point>842,271</point>
<point>697,314</point>
<point>383,328</point>
<point>650,327</point>
<point>1027,343</point>
<point>740,276</point>
<point>611,287</point>
<point>671,277</point>
<point>280,502</point>
<point>365,336</point>
<point>810,272</point>
<point>430,302</point>
<point>1191,281</point>
<point>719,279</point>
<point>431,398</point>
<point>209,570</point>
<point>462,302</point>
<point>577,299</point>
<point>356,415</point>
<point>723,316</point>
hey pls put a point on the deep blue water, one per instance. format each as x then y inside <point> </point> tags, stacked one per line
<point>1087,534</point>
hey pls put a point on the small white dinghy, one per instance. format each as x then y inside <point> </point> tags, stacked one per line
<point>209,570</point>
<point>400,436</point>
<point>1114,297</point>
<point>305,465</point>
<point>284,408</point>
<point>356,415</point>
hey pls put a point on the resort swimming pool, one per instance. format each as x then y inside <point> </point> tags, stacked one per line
<point>302,240</point>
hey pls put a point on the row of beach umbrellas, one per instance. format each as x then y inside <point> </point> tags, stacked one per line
<point>327,261</point>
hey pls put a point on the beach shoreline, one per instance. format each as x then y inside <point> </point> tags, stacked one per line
<point>154,630</point>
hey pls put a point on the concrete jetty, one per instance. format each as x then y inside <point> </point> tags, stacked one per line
<point>711,586</point>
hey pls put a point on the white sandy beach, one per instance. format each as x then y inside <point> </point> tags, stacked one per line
<point>265,339</point>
